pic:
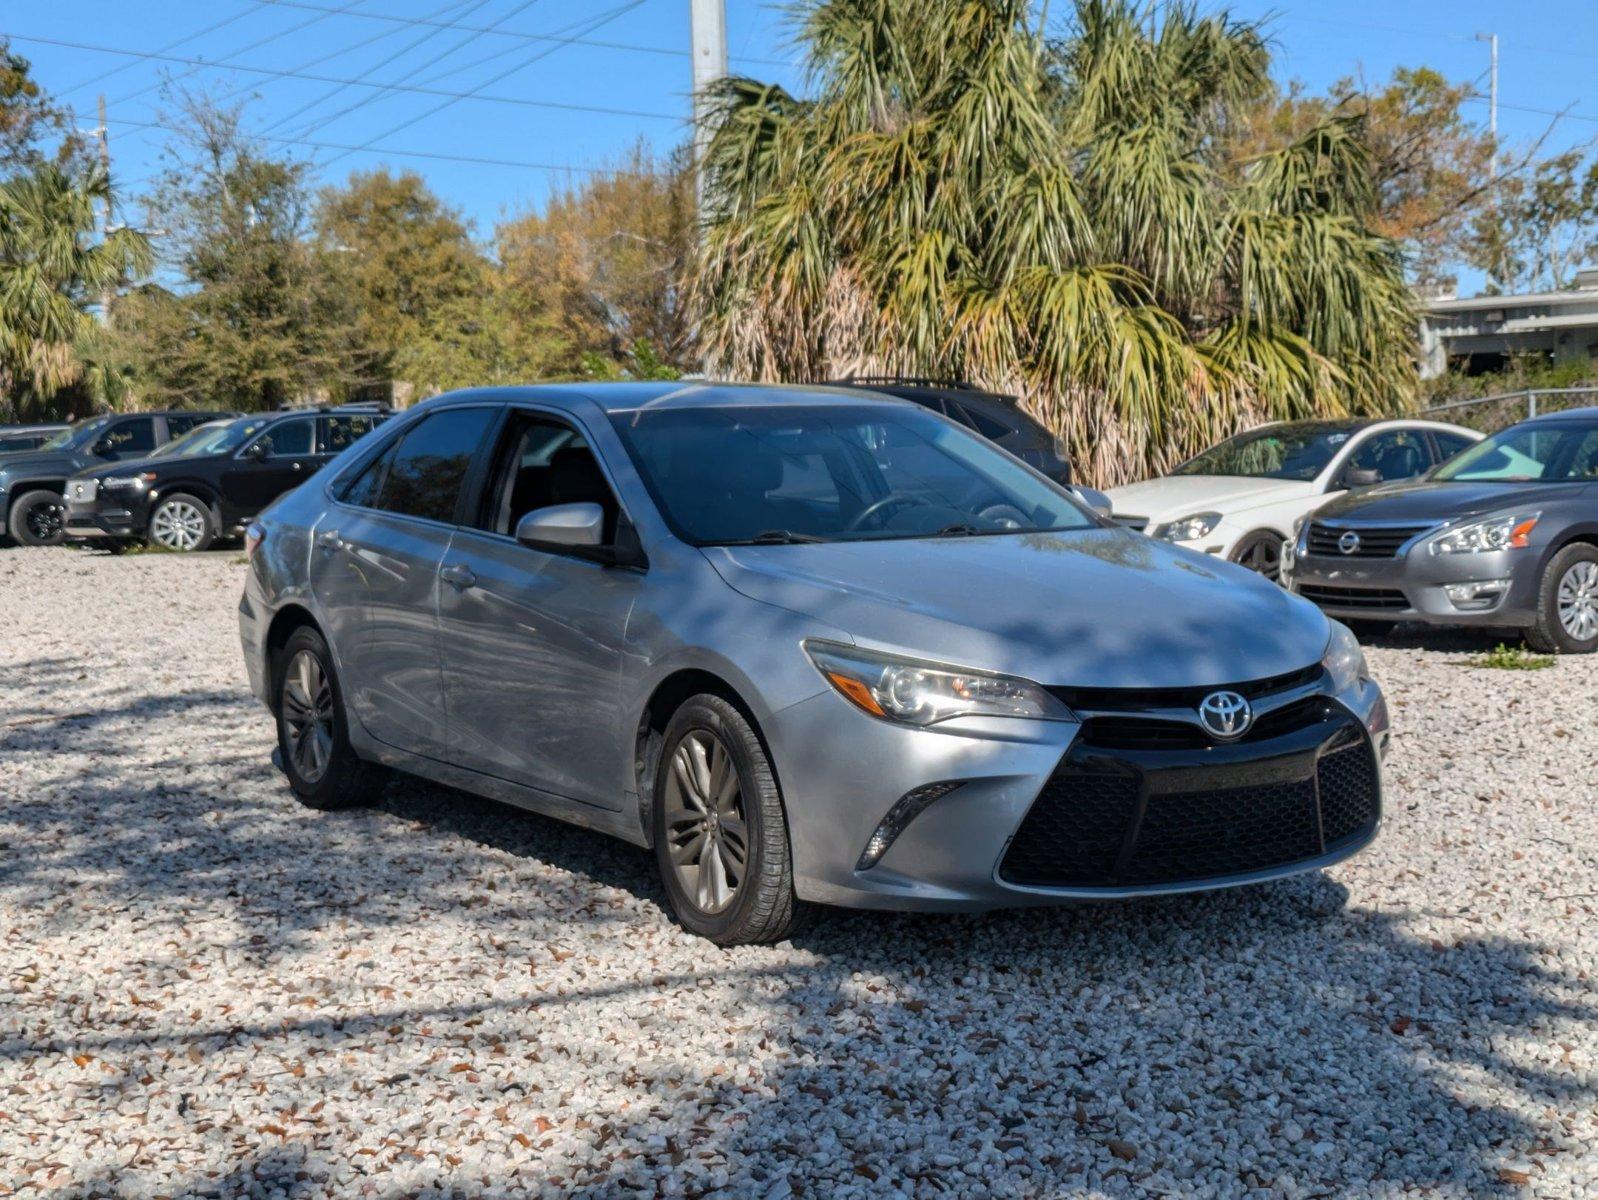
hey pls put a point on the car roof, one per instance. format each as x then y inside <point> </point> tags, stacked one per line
<point>1359,424</point>
<point>672,394</point>
<point>939,388</point>
<point>1572,415</point>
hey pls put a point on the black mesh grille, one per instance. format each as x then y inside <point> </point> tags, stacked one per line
<point>1194,835</point>
<point>1323,540</point>
<point>1348,792</point>
<point>1137,699</point>
<point>1085,830</point>
<point>1371,599</point>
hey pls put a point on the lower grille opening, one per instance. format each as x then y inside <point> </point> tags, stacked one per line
<point>1373,599</point>
<point>1084,828</point>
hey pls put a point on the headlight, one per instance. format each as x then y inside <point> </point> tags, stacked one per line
<point>1496,533</point>
<point>1344,660</point>
<point>1188,529</point>
<point>922,693</point>
<point>128,481</point>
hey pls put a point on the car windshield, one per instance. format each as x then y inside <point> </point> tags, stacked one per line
<point>1274,452</point>
<point>76,436</point>
<point>1553,453</point>
<point>776,473</point>
<point>214,437</point>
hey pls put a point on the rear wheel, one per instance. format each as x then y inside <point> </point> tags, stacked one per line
<point>312,733</point>
<point>1567,603</point>
<point>1261,553</point>
<point>721,839</point>
<point>183,523</point>
<point>38,518</point>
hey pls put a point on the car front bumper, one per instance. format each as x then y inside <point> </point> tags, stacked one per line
<point>103,522</point>
<point>1030,791</point>
<point>1414,586</point>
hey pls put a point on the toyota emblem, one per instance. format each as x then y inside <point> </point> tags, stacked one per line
<point>1225,715</point>
<point>1349,542</point>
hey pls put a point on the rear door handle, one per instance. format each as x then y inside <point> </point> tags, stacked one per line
<point>458,575</point>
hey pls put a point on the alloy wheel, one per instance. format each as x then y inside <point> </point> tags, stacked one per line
<point>1265,557</point>
<point>706,828</point>
<point>1578,601</point>
<point>308,715</point>
<point>45,522</point>
<point>178,525</point>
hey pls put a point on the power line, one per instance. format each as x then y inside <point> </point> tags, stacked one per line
<point>318,145</point>
<point>416,88</point>
<point>173,45</point>
<point>530,37</point>
<point>588,27</point>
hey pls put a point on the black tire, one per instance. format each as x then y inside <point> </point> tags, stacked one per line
<point>345,780</point>
<point>38,518</point>
<point>1261,552</point>
<point>1365,630</point>
<point>182,523</point>
<point>763,906</point>
<point>1575,567</point>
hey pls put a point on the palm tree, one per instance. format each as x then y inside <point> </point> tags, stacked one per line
<point>53,266</point>
<point>1067,220</point>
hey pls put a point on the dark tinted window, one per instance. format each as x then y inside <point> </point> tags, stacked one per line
<point>1451,444</point>
<point>131,437</point>
<point>177,424</point>
<point>1393,454</point>
<point>428,468</point>
<point>340,433</point>
<point>367,486</point>
<point>288,438</point>
<point>988,427</point>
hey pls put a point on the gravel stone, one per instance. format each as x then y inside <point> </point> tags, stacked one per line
<point>206,989</point>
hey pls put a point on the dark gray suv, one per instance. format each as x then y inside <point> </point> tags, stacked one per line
<point>1504,534</point>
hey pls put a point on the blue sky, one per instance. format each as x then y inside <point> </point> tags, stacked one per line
<point>1549,61</point>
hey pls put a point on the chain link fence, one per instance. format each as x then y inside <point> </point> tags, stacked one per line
<point>1490,413</point>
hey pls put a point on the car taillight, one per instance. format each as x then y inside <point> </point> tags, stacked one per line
<point>253,537</point>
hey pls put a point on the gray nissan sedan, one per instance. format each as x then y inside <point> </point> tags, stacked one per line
<point>810,646</point>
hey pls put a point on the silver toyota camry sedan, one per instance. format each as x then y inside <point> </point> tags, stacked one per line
<point>811,646</point>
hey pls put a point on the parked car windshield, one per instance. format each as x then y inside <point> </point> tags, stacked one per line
<point>214,437</point>
<point>1274,452</point>
<point>1528,454</point>
<point>833,473</point>
<point>76,436</point>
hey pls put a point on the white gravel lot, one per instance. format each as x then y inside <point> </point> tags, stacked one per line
<point>208,990</point>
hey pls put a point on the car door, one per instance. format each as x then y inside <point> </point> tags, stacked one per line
<point>375,559</point>
<point>281,457</point>
<point>533,641</point>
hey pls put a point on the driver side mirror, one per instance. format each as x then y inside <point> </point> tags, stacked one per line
<point>1358,477</point>
<point>102,448</point>
<point>1096,500</point>
<point>579,530</point>
<point>254,452</point>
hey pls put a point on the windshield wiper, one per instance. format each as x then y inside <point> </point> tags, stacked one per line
<point>771,537</point>
<point>958,529</point>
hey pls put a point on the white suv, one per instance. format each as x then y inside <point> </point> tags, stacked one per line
<point>1241,498</point>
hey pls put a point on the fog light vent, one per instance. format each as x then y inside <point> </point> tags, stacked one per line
<point>1477,596</point>
<point>905,809</point>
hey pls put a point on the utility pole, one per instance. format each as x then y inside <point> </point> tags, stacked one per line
<point>709,42</point>
<point>103,133</point>
<point>1492,127</point>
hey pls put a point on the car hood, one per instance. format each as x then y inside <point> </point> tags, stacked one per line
<point>28,464</point>
<point>1092,608</point>
<point>127,466</point>
<point>1177,496</point>
<point>1427,500</point>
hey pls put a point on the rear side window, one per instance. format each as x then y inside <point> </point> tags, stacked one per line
<point>989,427</point>
<point>423,474</point>
<point>1450,444</point>
<point>177,424</point>
<point>340,433</point>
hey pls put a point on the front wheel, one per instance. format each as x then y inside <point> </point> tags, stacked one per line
<point>182,523</point>
<point>312,733</point>
<point>721,839</point>
<point>1262,554</point>
<point>1567,603</point>
<point>38,518</point>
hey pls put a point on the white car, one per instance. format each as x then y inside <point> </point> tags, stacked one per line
<point>1241,498</point>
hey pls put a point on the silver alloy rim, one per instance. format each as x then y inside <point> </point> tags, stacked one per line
<point>308,715</point>
<point>178,525</point>
<point>1578,601</point>
<point>706,834</point>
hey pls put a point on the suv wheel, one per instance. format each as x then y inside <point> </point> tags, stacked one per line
<point>1567,603</point>
<point>721,840</point>
<point>183,523</point>
<point>1262,554</point>
<point>312,734</point>
<point>38,518</point>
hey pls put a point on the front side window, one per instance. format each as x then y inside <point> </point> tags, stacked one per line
<point>422,475</point>
<point>833,473</point>
<point>543,461</point>
<point>1276,452</point>
<point>131,437</point>
<point>1392,454</point>
<point>288,439</point>
<point>1529,454</point>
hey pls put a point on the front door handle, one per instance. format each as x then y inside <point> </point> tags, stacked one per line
<point>458,575</point>
<point>329,539</point>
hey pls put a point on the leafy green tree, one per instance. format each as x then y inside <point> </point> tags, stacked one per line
<point>1067,221</point>
<point>30,122</point>
<point>1542,227</point>
<point>483,337</point>
<point>252,318</point>
<point>54,265</point>
<point>401,256</point>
